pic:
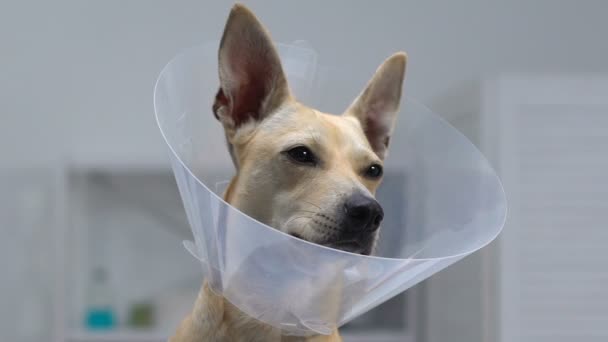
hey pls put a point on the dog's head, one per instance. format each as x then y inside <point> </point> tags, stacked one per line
<point>307,173</point>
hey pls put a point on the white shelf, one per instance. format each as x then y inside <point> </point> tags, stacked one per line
<point>377,337</point>
<point>116,336</point>
<point>144,336</point>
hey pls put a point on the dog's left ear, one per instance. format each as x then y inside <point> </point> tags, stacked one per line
<point>377,106</point>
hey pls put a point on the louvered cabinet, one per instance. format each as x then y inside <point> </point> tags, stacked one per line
<point>548,138</point>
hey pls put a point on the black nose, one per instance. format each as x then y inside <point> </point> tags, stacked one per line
<point>362,213</point>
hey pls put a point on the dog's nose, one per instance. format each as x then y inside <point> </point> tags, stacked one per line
<point>362,213</point>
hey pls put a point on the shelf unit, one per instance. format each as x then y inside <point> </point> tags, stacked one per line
<point>129,336</point>
<point>83,189</point>
<point>547,136</point>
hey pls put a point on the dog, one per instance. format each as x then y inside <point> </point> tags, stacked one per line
<point>309,174</point>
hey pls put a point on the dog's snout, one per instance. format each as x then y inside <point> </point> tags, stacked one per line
<point>362,213</point>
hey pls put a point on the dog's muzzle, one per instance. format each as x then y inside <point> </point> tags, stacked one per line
<point>360,219</point>
<point>362,215</point>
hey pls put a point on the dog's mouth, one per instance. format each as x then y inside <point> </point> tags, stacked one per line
<point>352,246</point>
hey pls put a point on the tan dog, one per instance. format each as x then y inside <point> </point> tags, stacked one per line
<point>310,174</point>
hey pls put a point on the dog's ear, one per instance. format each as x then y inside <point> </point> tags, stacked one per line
<point>377,106</point>
<point>252,82</point>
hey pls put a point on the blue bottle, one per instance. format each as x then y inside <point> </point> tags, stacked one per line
<point>100,314</point>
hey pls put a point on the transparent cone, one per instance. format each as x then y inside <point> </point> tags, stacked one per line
<point>442,201</point>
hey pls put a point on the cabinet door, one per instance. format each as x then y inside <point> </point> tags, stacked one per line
<point>549,139</point>
<point>28,217</point>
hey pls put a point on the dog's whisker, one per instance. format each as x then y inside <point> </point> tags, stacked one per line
<point>308,211</point>
<point>295,218</point>
<point>314,205</point>
<point>319,216</point>
<point>329,227</point>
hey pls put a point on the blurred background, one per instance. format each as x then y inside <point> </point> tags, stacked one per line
<point>92,224</point>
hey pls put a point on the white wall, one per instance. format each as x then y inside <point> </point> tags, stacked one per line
<point>82,72</point>
<point>76,77</point>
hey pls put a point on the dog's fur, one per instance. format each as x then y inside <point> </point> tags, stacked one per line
<point>264,125</point>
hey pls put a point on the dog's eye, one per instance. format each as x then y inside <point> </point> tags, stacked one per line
<point>302,154</point>
<point>374,171</point>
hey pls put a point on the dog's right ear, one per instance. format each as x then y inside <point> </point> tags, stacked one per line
<point>252,82</point>
<point>377,106</point>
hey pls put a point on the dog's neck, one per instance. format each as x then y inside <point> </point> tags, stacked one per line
<point>238,323</point>
<point>214,319</point>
